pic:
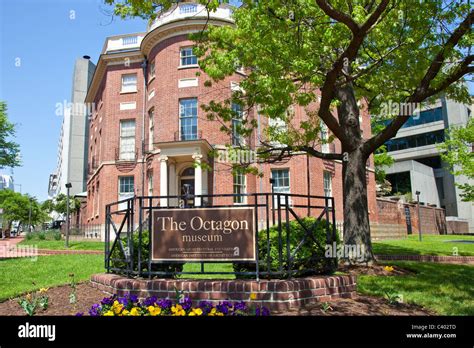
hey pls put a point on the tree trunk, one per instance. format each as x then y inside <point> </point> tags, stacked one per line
<point>354,187</point>
<point>355,207</point>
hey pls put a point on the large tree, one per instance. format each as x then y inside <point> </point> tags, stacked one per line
<point>341,56</point>
<point>9,150</point>
<point>22,208</point>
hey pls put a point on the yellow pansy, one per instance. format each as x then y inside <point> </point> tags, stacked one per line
<point>108,314</point>
<point>125,312</point>
<point>178,310</point>
<point>154,310</point>
<point>43,290</point>
<point>195,312</point>
<point>117,307</point>
<point>253,296</point>
<point>388,268</point>
<point>135,312</point>
<point>212,312</point>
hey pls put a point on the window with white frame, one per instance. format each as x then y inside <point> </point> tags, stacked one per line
<point>127,140</point>
<point>281,184</point>
<point>151,71</point>
<point>129,83</point>
<point>188,119</point>
<point>187,56</point>
<point>324,134</point>
<point>126,187</point>
<point>237,138</point>
<point>327,182</point>
<point>240,188</point>
<point>281,179</point>
<point>151,128</point>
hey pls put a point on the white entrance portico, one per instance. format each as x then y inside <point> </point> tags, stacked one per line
<point>181,171</point>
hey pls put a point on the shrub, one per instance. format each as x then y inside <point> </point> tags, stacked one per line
<point>117,253</point>
<point>29,236</point>
<point>41,236</point>
<point>309,259</point>
<point>56,235</point>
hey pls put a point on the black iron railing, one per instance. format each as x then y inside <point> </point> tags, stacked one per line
<point>128,240</point>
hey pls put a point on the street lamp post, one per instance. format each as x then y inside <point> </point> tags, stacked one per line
<point>68,186</point>
<point>418,212</point>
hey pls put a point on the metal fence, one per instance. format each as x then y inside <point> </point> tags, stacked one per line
<point>128,240</point>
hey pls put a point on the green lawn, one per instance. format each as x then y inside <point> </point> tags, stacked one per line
<point>17,275</point>
<point>430,245</point>
<point>443,288</point>
<point>208,267</point>
<point>59,244</point>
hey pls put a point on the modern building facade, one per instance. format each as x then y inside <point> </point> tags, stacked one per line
<point>418,165</point>
<point>73,140</point>
<point>148,134</point>
<point>6,182</point>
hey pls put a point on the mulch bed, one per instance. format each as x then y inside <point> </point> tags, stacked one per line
<point>360,305</point>
<point>59,301</point>
<point>374,270</point>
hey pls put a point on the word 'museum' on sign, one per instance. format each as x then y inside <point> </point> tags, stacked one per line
<point>203,234</point>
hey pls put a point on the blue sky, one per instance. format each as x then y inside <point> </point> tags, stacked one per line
<point>45,38</point>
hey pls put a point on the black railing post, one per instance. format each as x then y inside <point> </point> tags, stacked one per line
<point>140,228</point>
<point>280,246</point>
<point>334,230</point>
<point>268,236</point>
<point>256,239</point>
<point>150,236</point>
<point>287,235</point>
<point>107,238</point>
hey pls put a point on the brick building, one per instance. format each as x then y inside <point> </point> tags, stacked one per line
<point>164,111</point>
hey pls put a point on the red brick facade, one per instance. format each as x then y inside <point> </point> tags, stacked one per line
<point>105,170</point>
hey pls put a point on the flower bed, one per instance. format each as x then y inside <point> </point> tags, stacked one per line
<point>130,305</point>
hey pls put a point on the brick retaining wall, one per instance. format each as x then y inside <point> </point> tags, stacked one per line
<point>469,260</point>
<point>278,295</point>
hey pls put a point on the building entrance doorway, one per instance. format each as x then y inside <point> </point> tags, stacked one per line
<point>186,184</point>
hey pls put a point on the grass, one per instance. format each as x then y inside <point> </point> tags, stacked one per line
<point>208,267</point>
<point>430,245</point>
<point>60,244</point>
<point>444,288</point>
<point>17,275</point>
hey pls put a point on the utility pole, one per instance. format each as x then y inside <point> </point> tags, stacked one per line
<point>68,186</point>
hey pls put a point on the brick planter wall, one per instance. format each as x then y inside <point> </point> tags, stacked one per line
<point>278,295</point>
<point>469,260</point>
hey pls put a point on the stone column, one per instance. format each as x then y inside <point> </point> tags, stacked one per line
<point>163,180</point>
<point>197,179</point>
<point>172,184</point>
